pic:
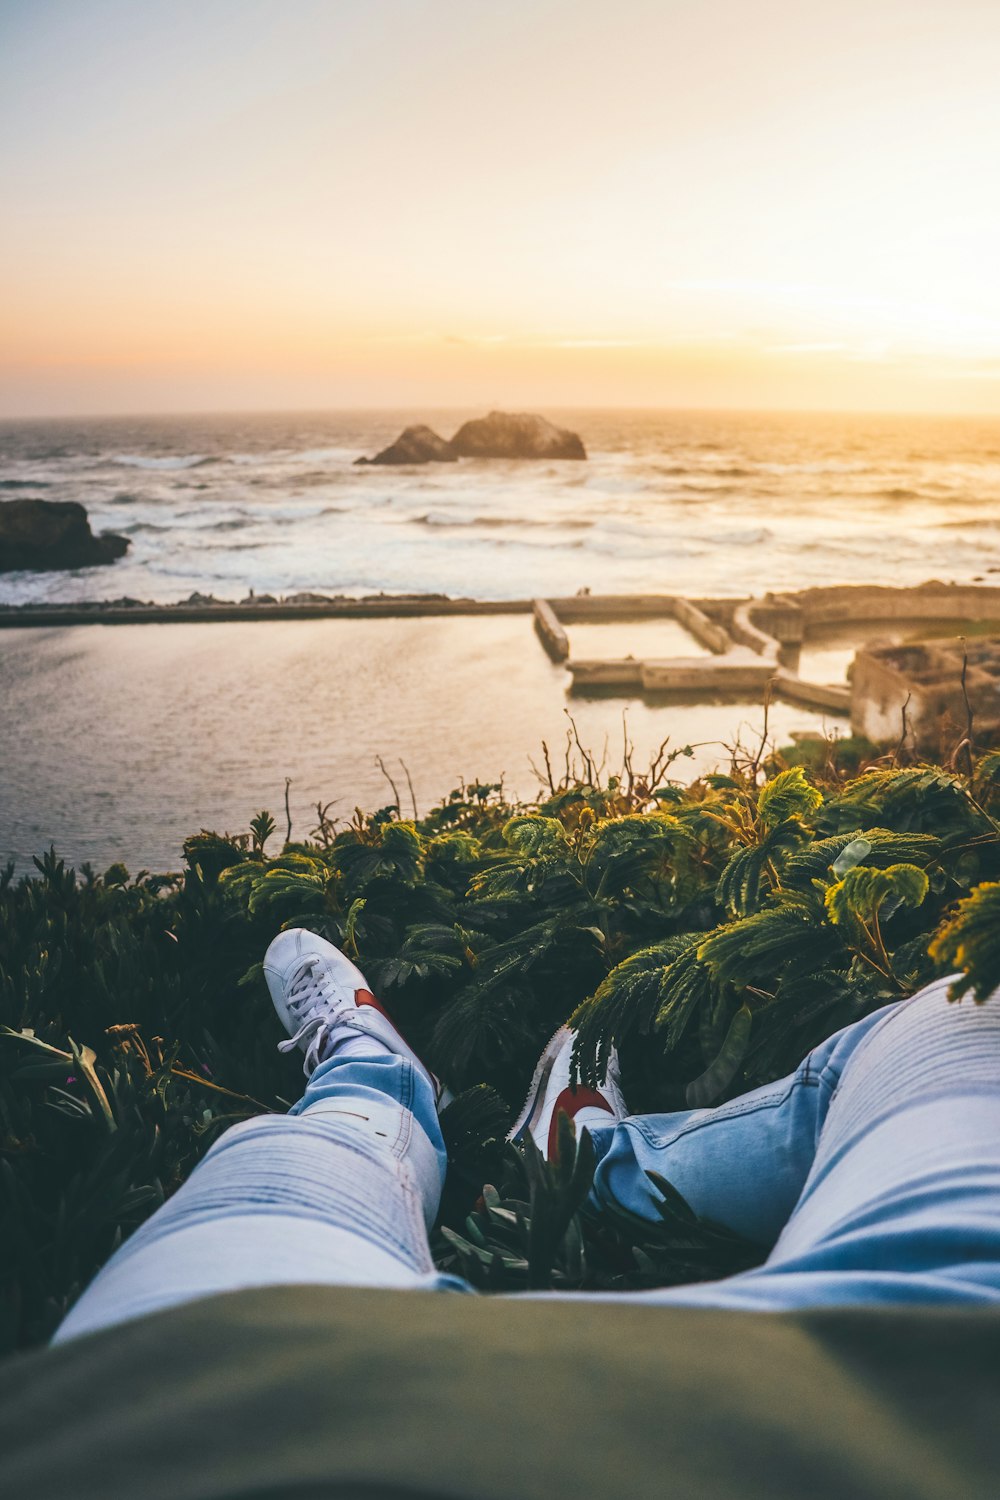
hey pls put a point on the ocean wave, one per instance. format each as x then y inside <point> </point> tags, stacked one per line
<point>819,466</point>
<point>304,481</point>
<point>443,518</point>
<point>607,484</point>
<point>668,551</point>
<point>974,523</point>
<point>699,487</point>
<point>863,547</point>
<point>289,518</point>
<point>323,455</point>
<point>274,456</point>
<point>662,539</point>
<point>185,461</point>
<point>509,544</point>
<point>233,546</point>
<point>651,498</point>
<point>497,523</point>
<point>652,536</point>
<point>753,536</point>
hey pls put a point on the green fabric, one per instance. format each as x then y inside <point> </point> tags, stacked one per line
<point>318,1391</point>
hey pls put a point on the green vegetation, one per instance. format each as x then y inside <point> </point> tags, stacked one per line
<point>712,933</point>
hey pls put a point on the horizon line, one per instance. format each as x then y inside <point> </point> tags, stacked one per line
<point>277,411</point>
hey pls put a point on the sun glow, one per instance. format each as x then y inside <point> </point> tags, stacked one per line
<point>382,204</point>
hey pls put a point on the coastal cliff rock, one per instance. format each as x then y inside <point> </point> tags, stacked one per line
<point>500,435</point>
<point>515,435</point>
<point>415,445</point>
<point>46,535</point>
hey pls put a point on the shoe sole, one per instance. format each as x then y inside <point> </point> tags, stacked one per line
<point>539,1079</point>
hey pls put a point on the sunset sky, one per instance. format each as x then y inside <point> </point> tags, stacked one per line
<point>218,204</point>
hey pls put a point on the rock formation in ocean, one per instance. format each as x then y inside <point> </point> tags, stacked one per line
<point>500,435</point>
<point>46,535</point>
<point>515,435</point>
<point>415,445</point>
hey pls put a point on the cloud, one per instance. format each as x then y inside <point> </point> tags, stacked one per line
<point>593,343</point>
<point>977,372</point>
<point>815,348</point>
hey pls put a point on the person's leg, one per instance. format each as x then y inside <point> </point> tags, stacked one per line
<point>903,1200</point>
<point>338,1192</point>
<point>741,1164</point>
<point>900,1197</point>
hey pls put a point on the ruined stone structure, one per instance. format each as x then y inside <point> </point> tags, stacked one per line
<point>751,643</point>
<point>926,679</point>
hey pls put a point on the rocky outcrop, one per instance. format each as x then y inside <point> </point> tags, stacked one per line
<point>46,535</point>
<point>515,435</point>
<point>415,445</point>
<point>500,435</point>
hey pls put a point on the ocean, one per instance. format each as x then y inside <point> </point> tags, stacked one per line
<point>117,742</point>
<point>698,503</point>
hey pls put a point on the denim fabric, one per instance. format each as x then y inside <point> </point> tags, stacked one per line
<point>872,1174</point>
<point>339,1192</point>
<point>875,1168</point>
<point>742,1164</point>
<point>387,1102</point>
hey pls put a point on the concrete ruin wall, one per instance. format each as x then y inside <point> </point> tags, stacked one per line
<point>746,637</point>
<point>848,604</point>
<point>926,680</point>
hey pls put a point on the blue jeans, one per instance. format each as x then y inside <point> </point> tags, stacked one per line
<point>871,1175</point>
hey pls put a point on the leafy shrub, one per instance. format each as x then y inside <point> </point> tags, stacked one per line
<point>713,934</point>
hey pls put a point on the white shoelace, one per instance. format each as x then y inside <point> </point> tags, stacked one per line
<point>322,1008</point>
<point>319,1007</point>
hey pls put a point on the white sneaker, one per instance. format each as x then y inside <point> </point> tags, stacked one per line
<point>318,992</point>
<point>552,1095</point>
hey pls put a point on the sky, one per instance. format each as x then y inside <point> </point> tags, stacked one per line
<point>274,204</point>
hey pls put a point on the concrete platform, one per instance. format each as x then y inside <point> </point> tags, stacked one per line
<point>746,638</point>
